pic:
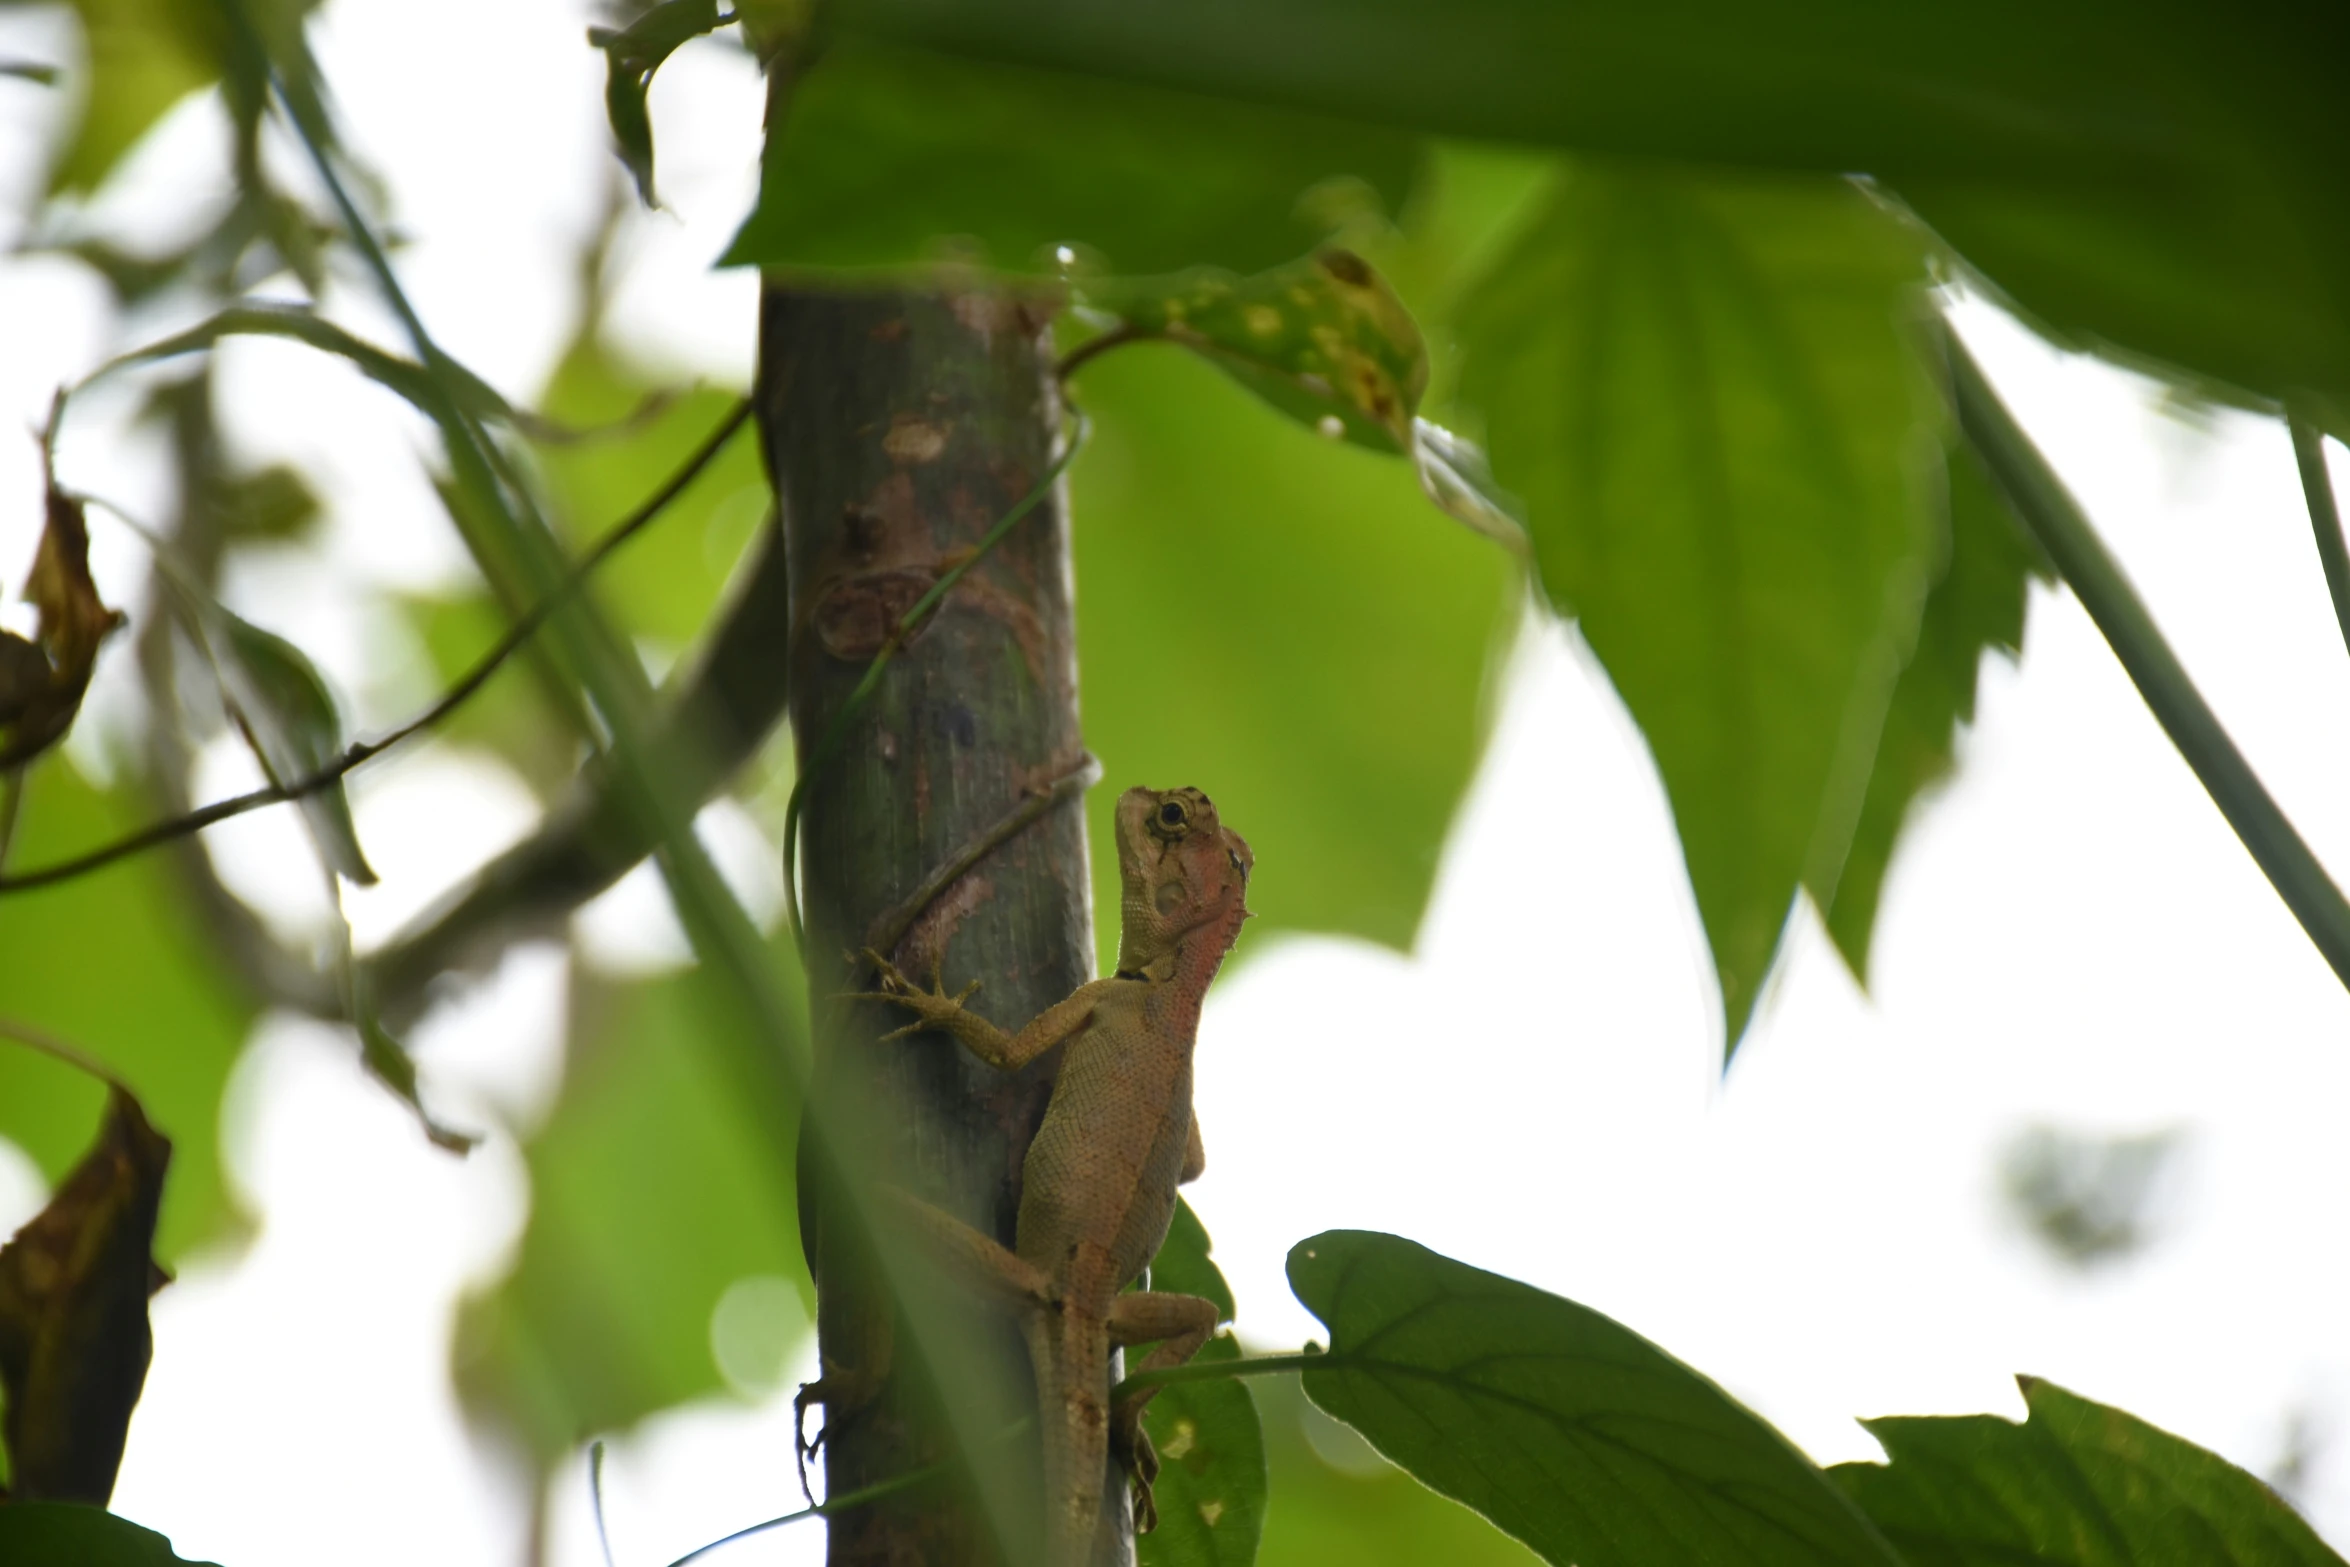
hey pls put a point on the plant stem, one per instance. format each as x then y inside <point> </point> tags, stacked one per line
<point>2096,578</point>
<point>2325,519</point>
<point>908,623</point>
<point>1217,1370</point>
<point>916,443</point>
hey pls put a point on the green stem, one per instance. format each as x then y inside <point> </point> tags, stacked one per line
<point>2096,578</point>
<point>2309,450</point>
<point>1216,1370</point>
<point>830,740</point>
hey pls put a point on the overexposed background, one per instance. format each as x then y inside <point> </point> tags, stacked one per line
<point>2070,935</point>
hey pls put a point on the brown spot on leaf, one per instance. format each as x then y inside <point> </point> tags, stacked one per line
<point>1346,266</point>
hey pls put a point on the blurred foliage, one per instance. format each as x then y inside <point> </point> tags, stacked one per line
<point>1339,706</point>
<point>1704,388</point>
<point>144,56</point>
<point>118,964</point>
<point>511,717</point>
<point>1566,1428</point>
<point>653,1188</point>
<point>631,55</point>
<point>2078,1484</point>
<point>1976,605</point>
<point>54,1534</point>
<point>894,158</point>
<point>635,434</point>
<point>2088,1199</point>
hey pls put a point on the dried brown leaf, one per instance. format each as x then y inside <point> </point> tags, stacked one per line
<point>74,1336</point>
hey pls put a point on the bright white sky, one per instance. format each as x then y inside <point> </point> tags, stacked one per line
<point>2071,934</point>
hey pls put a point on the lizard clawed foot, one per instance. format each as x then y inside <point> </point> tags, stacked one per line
<point>931,1007</point>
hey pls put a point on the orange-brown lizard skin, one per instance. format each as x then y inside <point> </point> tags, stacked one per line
<point>1098,1189</point>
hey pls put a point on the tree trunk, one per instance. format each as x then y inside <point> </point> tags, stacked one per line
<point>899,428</point>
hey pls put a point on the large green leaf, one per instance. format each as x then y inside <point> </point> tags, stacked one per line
<point>1977,605</point>
<point>1285,622</point>
<point>1706,390</point>
<point>1211,1487</point>
<point>116,963</point>
<point>891,158</point>
<point>1567,1429</point>
<point>2077,1485</point>
<point>1337,1503</point>
<point>653,1188</point>
<point>2170,178</point>
<point>67,1534</point>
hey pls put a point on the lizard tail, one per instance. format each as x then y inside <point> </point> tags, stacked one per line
<point>1071,1353</point>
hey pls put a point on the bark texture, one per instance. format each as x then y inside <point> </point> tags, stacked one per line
<point>899,428</point>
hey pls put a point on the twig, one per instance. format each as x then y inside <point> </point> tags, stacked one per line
<point>2325,519</point>
<point>48,1044</point>
<point>11,802</point>
<point>892,923</point>
<point>1084,353</point>
<point>834,731</point>
<point>2055,518</point>
<point>596,1497</point>
<point>361,752</point>
<point>860,1497</point>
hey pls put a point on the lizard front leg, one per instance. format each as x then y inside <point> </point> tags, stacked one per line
<point>1180,1324</point>
<point>935,1009</point>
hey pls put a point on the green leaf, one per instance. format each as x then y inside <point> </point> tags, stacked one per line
<point>2076,1485</point>
<point>289,718</point>
<point>172,1036</point>
<point>273,503</point>
<point>67,1534</point>
<point>1324,340</point>
<point>144,57</point>
<point>1565,1428</point>
<point>405,377</point>
<point>1210,1492</point>
<point>1339,1501</point>
<point>631,55</point>
<point>2174,200</point>
<point>653,1188</point>
<point>1976,606</point>
<point>1183,1265</point>
<point>893,159</point>
<point>1706,389</point>
<point>1211,1487</point>
<point>1333,634</point>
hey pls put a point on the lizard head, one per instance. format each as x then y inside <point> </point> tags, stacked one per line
<point>1182,872</point>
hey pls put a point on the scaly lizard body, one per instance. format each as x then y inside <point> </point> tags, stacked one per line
<point>1099,1185</point>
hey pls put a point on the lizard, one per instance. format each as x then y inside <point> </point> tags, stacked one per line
<point>1118,1136</point>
